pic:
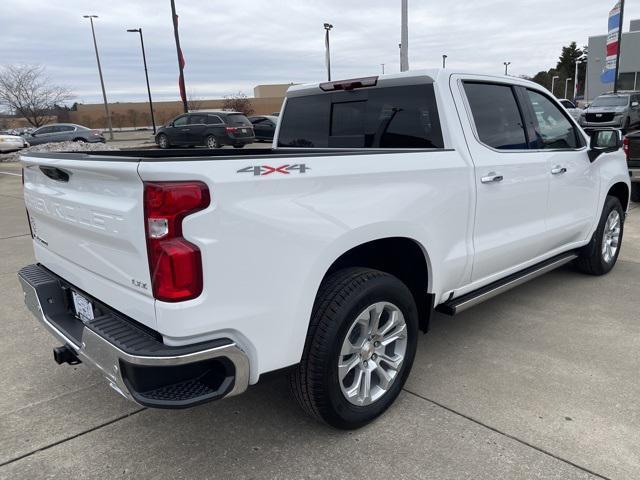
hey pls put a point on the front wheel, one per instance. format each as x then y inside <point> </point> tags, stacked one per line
<point>212,142</point>
<point>359,350</point>
<point>601,254</point>
<point>163,141</point>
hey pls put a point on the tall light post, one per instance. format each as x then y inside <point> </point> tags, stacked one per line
<point>146,74</point>
<point>566,86</point>
<point>382,64</point>
<point>444,61</point>
<point>404,36</point>
<point>575,84</point>
<point>327,28</point>
<point>553,84</point>
<point>104,93</point>
<point>506,67</point>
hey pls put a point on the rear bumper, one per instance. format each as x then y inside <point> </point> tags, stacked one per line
<point>132,358</point>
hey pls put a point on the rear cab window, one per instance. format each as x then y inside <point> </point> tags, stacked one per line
<point>378,117</point>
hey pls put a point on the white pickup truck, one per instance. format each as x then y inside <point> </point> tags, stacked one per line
<point>185,275</point>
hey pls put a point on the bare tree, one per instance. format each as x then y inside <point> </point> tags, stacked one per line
<point>134,115</point>
<point>193,102</point>
<point>238,102</point>
<point>26,90</point>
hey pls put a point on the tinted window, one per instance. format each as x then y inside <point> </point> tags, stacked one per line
<point>567,104</point>
<point>214,120</point>
<point>257,120</point>
<point>237,119</point>
<point>496,115</point>
<point>197,119</point>
<point>63,128</point>
<point>553,129</point>
<point>392,117</point>
<point>180,121</point>
<point>42,130</point>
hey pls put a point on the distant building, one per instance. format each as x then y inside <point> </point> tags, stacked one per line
<point>629,63</point>
<point>271,91</point>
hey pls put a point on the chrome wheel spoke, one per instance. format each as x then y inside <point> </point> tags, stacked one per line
<point>384,378</point>
<point>345,367</point>
<point>353,390</point>
<point>365,391</point>
<point>394,362</point>
<point>397,334</point>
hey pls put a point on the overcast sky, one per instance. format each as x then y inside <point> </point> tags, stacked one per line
<point>235,45</point>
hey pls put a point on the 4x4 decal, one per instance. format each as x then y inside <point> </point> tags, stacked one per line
<point>262,170</point>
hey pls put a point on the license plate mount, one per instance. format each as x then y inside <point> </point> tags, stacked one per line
<point>83,307</point>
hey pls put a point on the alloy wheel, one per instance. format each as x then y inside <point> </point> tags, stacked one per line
<point>611,236</point>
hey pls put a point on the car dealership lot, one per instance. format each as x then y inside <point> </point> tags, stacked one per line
<point>541,382</point>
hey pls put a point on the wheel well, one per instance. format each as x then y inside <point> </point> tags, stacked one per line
<point>400,257</point>
<point>621,192</point>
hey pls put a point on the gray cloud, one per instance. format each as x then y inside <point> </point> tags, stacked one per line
<point>234,46</point>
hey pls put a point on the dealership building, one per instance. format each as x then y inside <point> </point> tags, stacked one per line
<point>629,62</point>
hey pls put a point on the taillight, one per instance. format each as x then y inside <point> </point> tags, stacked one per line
<point>625,146</point>
<point>231,129</point>
<point>175,264</point>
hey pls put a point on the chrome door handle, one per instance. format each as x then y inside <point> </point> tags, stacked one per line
<point>492,178</point>
<point>558,170</point>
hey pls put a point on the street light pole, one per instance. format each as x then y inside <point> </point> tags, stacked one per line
<point>553,84</point>
<point>104,93</point>
<point>575,83</point>
<point>444,61</point>
<point>382,68</point>
<point>404,36</point>
<point>327,28</point>
<point>146,74</point>
<point>506,67</point>
<point>566,86</point>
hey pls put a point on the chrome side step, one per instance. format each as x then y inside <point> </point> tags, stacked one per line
<point>464,302</point>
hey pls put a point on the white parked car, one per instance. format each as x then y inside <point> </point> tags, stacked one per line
<point>11,143</point>
<point>186,276</point>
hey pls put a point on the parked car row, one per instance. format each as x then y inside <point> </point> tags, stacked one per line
<point>52,133</point>
<point>616,110</point>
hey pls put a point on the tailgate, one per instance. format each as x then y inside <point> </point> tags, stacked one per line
<point>87,219</point>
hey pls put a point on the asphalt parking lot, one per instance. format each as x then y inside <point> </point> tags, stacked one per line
<point>541,382</point>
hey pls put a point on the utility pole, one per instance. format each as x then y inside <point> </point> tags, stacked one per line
<point>444,61</point>
<point>183,90</point>
<point>104,93</point>
<point>327,29</point>
<point>146,74</point>
<point>616,81</point>
<point>382,68</point>
<point>404,37</point>
<point>506,67</point>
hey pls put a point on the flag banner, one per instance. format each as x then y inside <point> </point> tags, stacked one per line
<point>613,37</point>
<point>183,94</point>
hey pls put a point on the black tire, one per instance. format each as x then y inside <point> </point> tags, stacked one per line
<point>80,140</point>
<point>211,142</point>
<point>340,299</point>
<point>239,145</point>
<point>635,192</point>
<point>592,260</point>
<point>163,141</point>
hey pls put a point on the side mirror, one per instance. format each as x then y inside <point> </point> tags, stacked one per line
<point>635,104</point>
<point>604,141</point>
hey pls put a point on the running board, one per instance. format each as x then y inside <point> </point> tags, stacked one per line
<point>464,302</point>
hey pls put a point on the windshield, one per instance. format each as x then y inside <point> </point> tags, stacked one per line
<point>237,119</point>
<point>611,101</point>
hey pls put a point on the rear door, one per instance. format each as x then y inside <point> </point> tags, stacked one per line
<point>574,186</point>
<point>512,182</point>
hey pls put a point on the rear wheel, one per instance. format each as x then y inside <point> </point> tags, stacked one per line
<point>80,140</point>
<point>212,143</point>
<point>163,141</point>
<point>600,256</point>
<point>359,350</point>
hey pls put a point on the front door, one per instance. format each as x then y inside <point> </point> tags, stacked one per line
<point>574,186</point>
<point>196,129</point>
<point>512,182</point>
<point>178,131</point>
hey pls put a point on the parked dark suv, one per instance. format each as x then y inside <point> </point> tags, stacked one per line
<point>212,129</point>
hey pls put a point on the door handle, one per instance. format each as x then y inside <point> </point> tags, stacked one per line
<point>558,170</point>
<point>492,178</point>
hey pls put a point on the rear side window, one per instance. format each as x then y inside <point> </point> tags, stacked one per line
<point>391,117</point>
<point>197,119</point>
<point>496,115</point>
<point>214,120</point>
<point>237,119</point>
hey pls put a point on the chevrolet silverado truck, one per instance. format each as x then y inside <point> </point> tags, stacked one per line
<point>185,276</point>
<point>632,150</point>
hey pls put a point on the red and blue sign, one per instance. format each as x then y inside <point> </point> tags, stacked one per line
<point>609,72</point>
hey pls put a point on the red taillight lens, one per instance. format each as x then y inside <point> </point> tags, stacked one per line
<point>231,129</point>
<point>625,146</point>
<point>174,263</point>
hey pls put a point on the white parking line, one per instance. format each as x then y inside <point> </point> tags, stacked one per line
<point>14,174</point>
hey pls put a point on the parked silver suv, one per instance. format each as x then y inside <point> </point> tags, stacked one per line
<point>621,110</point>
